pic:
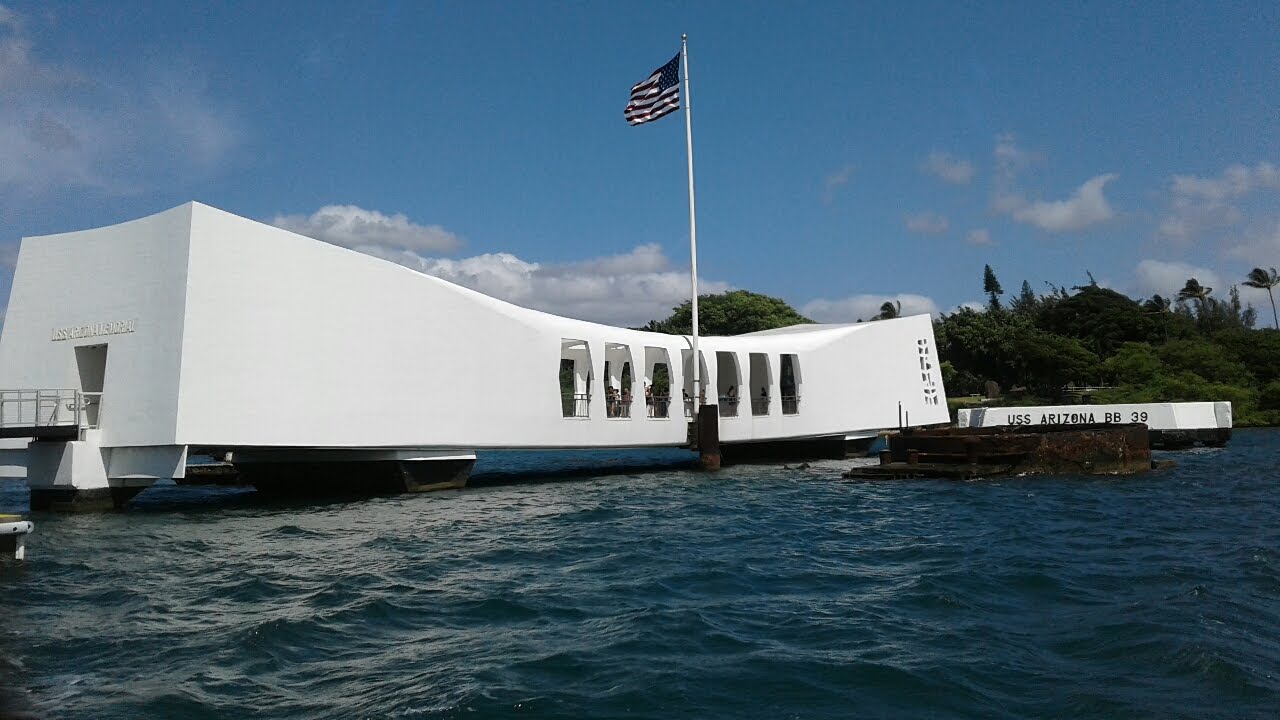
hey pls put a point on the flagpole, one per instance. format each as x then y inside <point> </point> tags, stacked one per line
<point>699,391</point>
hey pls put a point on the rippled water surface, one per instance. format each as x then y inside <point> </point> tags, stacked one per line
<point>756,592</point>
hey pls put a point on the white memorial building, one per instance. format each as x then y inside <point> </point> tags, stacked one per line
<point>128,348</point>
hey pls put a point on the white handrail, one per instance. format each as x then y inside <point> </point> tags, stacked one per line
<point>48,407</point>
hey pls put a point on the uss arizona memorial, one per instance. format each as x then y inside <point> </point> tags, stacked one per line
<point>128,348</point>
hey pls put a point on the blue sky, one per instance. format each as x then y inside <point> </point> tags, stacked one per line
<point>846,153</point>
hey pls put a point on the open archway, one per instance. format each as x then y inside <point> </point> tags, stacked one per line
<point>575,378</point>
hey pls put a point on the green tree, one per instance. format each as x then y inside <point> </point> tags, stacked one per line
<point>1243,317</point>
<point>1266,280</point>
<point>1269,396</point>
<point>731,313</point>
<point>1156,304</point>
<point>1026,303</point>
<point>1184,386</point>
<point>1258,350</point>
<point>1194,291</point>
<point>1212,315</point>
<point>1101,318</point>
<point>889,310</point>
<point>991,286</point>
<point>1192,387</point>
<point>1216,315</point>
<point>1045,363</point>
<point>981,344</point>
<point>1207,360</point>
<point>1134,364</point>
<point>1158,308</point>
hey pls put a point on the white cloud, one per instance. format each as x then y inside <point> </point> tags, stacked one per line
<point>865,307</point>
<point>629,289</point>
<point>642,259</point>
<point>1197,204</point>
<point>357,228</point>
<point>978,236</point>
<point>974,305</point>
<point>1235,182</point>
<point>930,223</point>
<point>15,50</point>
<point>835,181</point>
<point>501,275</point>
<point>948,168</point>
<point>1010,161</point>
<point>1087,206</point>
<point>1258,245</point>
<point>1167,278</point>
<point>101,128</point>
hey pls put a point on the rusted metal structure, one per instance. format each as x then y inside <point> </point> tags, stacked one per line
<point>963,453</point>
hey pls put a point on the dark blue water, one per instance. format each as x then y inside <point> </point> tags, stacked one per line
<point>756,592</point>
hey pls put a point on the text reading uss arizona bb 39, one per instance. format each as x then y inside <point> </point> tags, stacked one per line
<point>1077,418</point>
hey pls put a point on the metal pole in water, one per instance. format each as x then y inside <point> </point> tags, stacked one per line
<point>13,534</point>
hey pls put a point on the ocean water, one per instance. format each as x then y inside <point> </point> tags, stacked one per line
<point>548,590</point>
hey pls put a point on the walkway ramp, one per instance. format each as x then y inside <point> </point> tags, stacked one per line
<point>48,414</point>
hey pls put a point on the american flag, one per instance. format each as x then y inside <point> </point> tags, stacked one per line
<point>657,95</point>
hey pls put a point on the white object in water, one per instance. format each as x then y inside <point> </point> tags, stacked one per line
<point>13,535</point>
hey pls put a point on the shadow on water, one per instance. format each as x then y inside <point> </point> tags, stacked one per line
<point>508,468</point>
<point>493,469</point>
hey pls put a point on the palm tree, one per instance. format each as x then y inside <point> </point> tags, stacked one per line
<point>1262,279</point>
<point>1193,290</point>
<point>1159,305</point>
<point>889,310</point>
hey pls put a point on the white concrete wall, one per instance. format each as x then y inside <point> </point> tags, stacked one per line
<point>135,271</point>
<point>865,370</point>
<point>248,335</point>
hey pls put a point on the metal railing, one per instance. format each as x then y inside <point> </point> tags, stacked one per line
<point>50,408</point>
<point>576,405</point>
<point>618,407</point>
<point>728,406</point>
<point>760,406</point>
<point>658,405</point>
<point>790,404</point>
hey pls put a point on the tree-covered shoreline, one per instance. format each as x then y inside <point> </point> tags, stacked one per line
<point>1192,347</point>
<point>1038,347</point>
